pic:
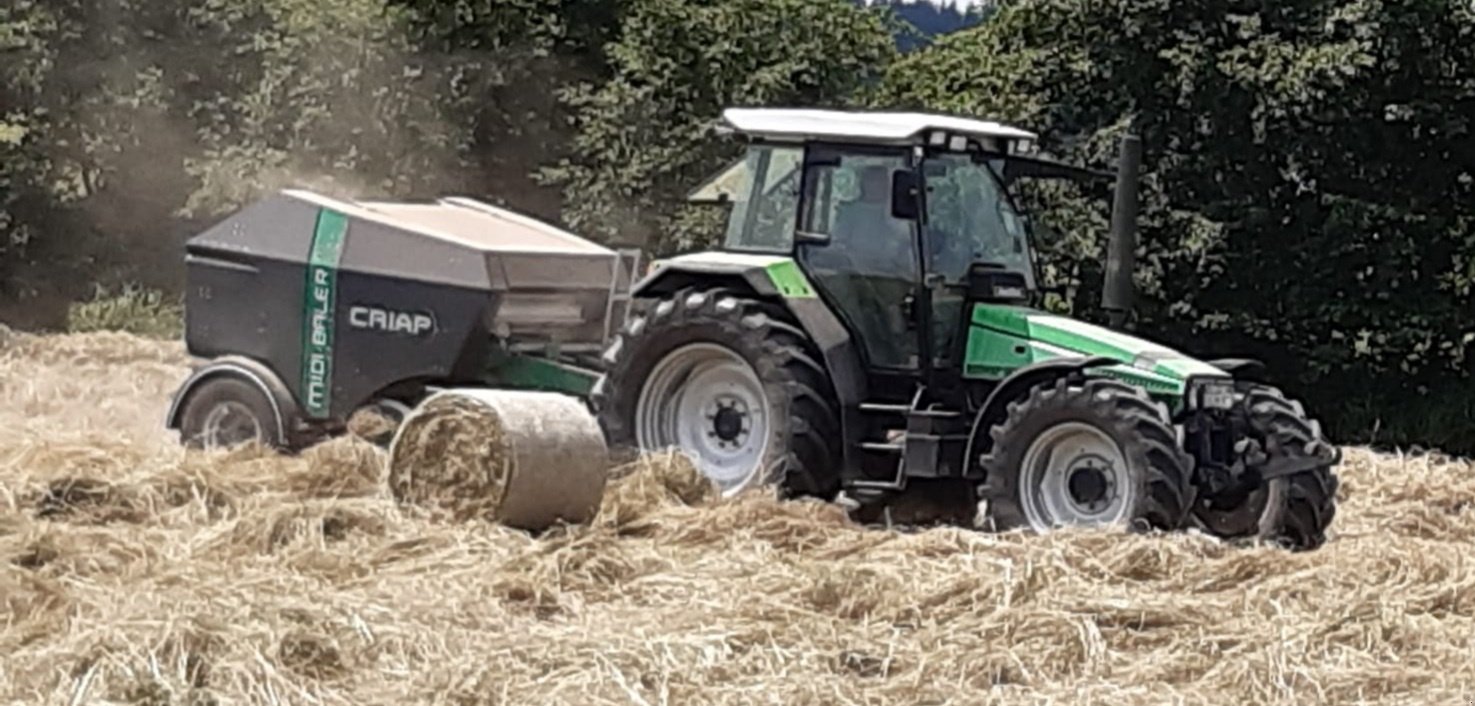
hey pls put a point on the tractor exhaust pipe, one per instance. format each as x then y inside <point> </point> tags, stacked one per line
<point>1121,253</point>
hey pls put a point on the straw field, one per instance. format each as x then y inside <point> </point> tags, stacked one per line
<point>132,572</point>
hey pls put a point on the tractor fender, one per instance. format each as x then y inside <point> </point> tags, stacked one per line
<point>283,406</point>
<point>737,270</point>
<point>776,279</point>
<point>1236,366</point>
<point>995,407</point>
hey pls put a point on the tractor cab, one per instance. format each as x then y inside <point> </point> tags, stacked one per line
<point>897,219</point>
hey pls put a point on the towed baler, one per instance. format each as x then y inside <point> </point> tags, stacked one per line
<point>307,309</point>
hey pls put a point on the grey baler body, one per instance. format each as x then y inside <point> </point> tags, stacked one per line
<point>344,299</point>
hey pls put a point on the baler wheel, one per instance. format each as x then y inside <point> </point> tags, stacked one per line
<point>382,419</point>
<point>224,412</point>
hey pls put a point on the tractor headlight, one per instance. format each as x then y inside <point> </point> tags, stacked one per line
<point>1212,393</point>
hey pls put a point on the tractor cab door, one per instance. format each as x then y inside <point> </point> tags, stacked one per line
<point>863,259</point>
<point>970,222</point>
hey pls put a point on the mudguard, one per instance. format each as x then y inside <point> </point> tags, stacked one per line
<point>764,275</point>
<point>995,407</point>
<point>283,405</point>
<point>1239,366</point>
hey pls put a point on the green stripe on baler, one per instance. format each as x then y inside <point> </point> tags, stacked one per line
<point>319,298</point>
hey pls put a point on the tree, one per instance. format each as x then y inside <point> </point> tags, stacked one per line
<point>526,51</point>
<point>155,118</point>
<point>644,133</point>
<point>25,60</point>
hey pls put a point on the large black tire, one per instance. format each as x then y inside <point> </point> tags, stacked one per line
<point>1157,468</point>
<point>1294,511</point>
<point>225,411</point>
<point>803,453</point>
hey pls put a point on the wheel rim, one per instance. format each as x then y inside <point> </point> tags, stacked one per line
<point>231,423</point>
<point>1075,474</point>
<point>706,401</point>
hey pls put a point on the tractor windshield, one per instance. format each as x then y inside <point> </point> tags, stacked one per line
<point>970,219</point>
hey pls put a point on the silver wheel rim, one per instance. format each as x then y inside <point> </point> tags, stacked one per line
<point>706,401</point>
<point>231,423</point>
<point>1075,474</point>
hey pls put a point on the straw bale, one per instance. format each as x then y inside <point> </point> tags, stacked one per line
<point>452,456</point>
<point>528,460</point>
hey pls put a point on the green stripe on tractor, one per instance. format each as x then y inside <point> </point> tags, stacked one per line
<point>319,299</point>
<point>1004,338</point>
<point>790,280</point>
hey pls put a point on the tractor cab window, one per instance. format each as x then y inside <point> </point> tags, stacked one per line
<point>763,189</point>
<point>971,219</point>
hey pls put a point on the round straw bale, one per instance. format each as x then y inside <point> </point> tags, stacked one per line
<point>523,459</point>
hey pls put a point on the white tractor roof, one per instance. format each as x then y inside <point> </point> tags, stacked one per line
<point>864,126</point>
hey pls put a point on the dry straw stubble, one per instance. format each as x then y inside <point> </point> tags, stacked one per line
<point>244,577</point>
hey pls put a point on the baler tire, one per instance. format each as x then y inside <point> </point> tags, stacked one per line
<point>212,395</point>
<point>1299,508</point>
<point>1140,429</point>
<point>803,454</point>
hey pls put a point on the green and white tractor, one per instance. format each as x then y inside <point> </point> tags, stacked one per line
<point>867,329</point>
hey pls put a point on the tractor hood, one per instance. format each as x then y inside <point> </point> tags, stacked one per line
<point>1159,369</point>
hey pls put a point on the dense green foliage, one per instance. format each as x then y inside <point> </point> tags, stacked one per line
<point>1310,163</point>
<point>1311,178</point>
<point>644,136</point>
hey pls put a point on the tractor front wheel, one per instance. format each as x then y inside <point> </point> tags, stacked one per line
<point>1292,511</point>
<point>1092,452</point>
<point>733,384</point>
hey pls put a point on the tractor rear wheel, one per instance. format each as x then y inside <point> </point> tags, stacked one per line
<point>732,383</point>
<point>1086,453</point>
<point>1292,511</point>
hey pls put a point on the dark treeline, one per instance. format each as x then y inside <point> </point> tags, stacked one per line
<point>1310,166</point>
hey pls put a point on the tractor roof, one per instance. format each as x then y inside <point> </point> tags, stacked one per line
<point>799,125</point>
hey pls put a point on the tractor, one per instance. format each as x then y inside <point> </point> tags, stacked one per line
<point>870,328</point>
